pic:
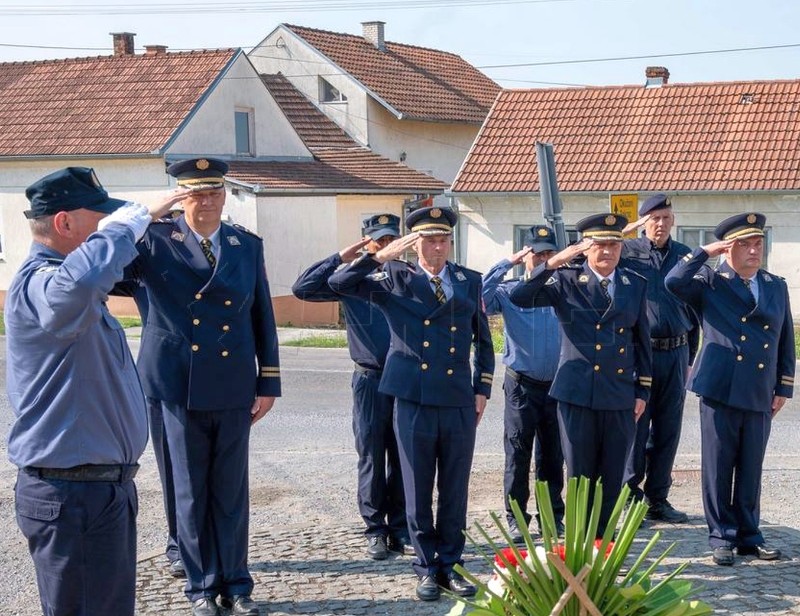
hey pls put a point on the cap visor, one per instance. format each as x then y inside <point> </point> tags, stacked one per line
<point>542,246</point>
<point>107,206</point>
<point>426,232</point>
<point>379,233</point>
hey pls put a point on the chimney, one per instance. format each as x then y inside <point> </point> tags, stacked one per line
<point>155,50</point>
<point>656,76</point>
<point>372,31</point>
<point>123,43</point>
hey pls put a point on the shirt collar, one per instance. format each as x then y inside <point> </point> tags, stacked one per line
<point>214,237</point>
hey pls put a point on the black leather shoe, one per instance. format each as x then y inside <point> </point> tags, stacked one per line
<point>723,556</point>
<point>240,605</point>
<point>400,545</point>
<point>458,585</point>
<point>514,531</point>
<point>762,552</point>
<point>428,589</point>
<point>376,547</point>
<point>205,607</point>
<point>663,511</point>
<point>176,569</point>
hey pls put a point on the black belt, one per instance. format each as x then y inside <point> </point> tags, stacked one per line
<point>368,371</point>
<point>667,344</point>
<point>523,378</point>
<point>87,472</point>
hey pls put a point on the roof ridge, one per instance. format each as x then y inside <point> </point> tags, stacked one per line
<point>105,58</point>
<point>667,86</point>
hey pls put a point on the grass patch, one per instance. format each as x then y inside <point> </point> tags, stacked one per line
<point>321,341</point>
<point>127,322</point>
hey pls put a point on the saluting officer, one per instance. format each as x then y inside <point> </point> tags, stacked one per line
<point>530,353</point>
<point>80,422</point>
<point>381,501</point>
<point>209,353</point>
<point>435,316</point>
<point>674,337</point>
<point>743,374</point>
<point>604,374</point>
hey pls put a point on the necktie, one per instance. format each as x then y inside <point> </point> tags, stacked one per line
<point>747,286</point>
<point>604,286</point>
<point>438,290</point>
<point>205,245</point>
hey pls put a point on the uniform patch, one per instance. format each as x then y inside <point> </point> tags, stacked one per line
<point>460,276</point>
<point>378,276</point>
<point>550,280</point>
<point>583,278</point>
<point>767,278</point>
<point>233,240</point>
<point>177,236</point>
<point>625,279</point>
<point>726,275</point>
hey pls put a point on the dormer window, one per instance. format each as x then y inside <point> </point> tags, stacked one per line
<point>329,93</point>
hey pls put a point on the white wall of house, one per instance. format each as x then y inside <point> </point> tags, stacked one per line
<point>211,129</point>
<point>283,52</point>
<point>486,224</point>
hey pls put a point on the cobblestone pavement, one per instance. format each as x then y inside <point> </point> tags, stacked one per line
<point>325,572</point>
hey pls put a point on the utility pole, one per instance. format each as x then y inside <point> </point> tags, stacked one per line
<point>548,191</point>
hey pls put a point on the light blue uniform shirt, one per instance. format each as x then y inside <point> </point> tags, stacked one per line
<point>71,378</point>
<point>532,335</point>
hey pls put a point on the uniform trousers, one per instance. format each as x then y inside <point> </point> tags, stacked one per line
<point>658,430</point>
<point>209,452</point>
<point>164,464</point>
<point>596,445</point>
<point>436,443</point>
<point>82,538</point>
<point>531,413</point>
<point>732,456</point>
<point>381,501</point>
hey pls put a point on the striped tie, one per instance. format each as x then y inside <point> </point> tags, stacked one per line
<point>604,286</point>
<point>205,245</point>
<point>747,286</point>
<point>438,290</point>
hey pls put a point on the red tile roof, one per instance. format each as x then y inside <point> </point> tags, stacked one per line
<point>679,137</point>
<point>102,105</point>
<point>340,165</point>
<point>420,83</point>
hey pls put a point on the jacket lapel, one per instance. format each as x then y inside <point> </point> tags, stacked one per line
<point>737,286</point>
<point>188,248</point>
<point>422,288</point>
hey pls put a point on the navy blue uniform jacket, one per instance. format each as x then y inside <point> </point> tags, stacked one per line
<point>429,353</point>
<point>747,356</point>
<point>606,360</point>
<point>367,330</point>
<point>210,341</point>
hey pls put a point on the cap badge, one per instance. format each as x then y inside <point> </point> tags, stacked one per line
<point>542,233</point>
<point>383,220</point>
<point>751,219</point>
<point>202,164</point>
<point>436,213</point>
<point>610,220</point>
<point>667,202</point>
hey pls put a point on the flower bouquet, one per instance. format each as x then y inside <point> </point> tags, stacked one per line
<point>581,575</point>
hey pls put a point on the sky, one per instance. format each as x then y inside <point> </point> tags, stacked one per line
<point>547,43</point>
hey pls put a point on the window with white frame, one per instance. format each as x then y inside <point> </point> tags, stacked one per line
<point>328,93</point>
<point>694,237</point>
<point>243,125</point>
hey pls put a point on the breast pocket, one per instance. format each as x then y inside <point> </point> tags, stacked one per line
<point>116,337</point>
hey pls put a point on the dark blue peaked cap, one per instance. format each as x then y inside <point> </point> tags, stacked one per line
<point>656,202</point>
<point>381,225</point>
<point>741,226</point>
<point>68,189</point>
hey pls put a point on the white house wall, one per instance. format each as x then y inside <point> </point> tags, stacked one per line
<point>302,66</point>
<point>211,129</point>
<point>486,224</point>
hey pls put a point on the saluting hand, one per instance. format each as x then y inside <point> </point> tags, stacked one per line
<point>480,407</point>
<point>717,248</point>
<point>396,248</point>
<point>569,253</point>
<point>517,257</point>
<point>349,254</point>
<point>636,224</point>
<point>163,206</point>
<point>261,407</point>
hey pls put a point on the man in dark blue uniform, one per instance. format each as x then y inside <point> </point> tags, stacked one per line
<point>435,315</point>
<point>209,353</point>
<point>380,482</point>
<point>743,374</point>
<point>604,374</point>
<point>80,423</point>
<point>674,337</point>
<point>530,354</point>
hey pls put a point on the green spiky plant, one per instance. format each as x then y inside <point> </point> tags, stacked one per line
<point>534,586</point>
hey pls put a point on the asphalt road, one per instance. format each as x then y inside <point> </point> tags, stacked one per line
<point>303,466</point>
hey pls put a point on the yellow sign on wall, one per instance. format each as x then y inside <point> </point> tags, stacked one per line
<point>626,205</point>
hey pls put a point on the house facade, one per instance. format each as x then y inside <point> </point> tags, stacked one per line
<point>717,149</point>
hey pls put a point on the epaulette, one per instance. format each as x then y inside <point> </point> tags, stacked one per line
<point>570,266</point>
<point>239,227</point>
<point>169,217</point>
<point>634,273</point>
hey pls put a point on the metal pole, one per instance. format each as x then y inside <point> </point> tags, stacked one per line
<point>548,191</point>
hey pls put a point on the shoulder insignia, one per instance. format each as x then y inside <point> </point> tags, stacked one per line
<point>625,280</point>
<point>633,273</point>
<point>177,236</point>
<point>583,278</point>
<point>248,231</point>
<point>550,280</point>
<point>687,257</point>
<point>46,268</point>
<point>767,277</point>
<point>698,277</point>
<point>726,275</point>
<point>170,216</point>
<point>460,276</point>
<point>233,240</point>
<point>378,276</point>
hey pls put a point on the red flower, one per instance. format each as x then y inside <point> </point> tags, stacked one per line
<point>510,556</point>
<point>609,547</point>
<point>561,550</point>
